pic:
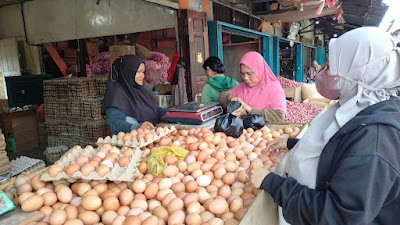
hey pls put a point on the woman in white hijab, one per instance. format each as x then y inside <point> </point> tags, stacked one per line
<point>346,168</point>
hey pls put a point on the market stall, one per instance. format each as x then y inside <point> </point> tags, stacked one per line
<point>175,176</point>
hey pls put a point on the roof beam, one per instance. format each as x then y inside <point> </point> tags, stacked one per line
<point>296,15</point>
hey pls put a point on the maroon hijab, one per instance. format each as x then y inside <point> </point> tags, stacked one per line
<point>125,94</point>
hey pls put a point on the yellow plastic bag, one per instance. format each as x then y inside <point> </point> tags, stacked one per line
<point>155,162</point>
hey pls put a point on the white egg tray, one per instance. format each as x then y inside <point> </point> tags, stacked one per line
<point>135,143</point>
<point>117,173</point>
<point>25,164</point>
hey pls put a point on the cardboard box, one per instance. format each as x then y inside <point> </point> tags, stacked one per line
<point>26,132</point>
<point>293,94</point>
<point>163,88</point>
<point>120,50</point>
<point>264,210</point>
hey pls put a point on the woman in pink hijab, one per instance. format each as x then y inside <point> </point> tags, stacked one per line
<point>260,93</point>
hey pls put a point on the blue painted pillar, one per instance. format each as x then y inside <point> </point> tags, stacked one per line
<point>266,51</point>
<point>299,62</point>
<point>314,54</point>
<point>321,55</point>
<point>275,56</point>
<point>215,40</point>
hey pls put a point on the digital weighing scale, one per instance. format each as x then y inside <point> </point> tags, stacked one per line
<point>195,113</point>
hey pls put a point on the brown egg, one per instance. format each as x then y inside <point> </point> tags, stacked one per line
<point>191,186</point>
<point>50,198</point>
<point>72,168</point>
<point>128,152</point>
<point>178,187</point>
<point>132,220</point>
<point>86,169</point>
<point>79,188</point>
<point>102,170</point>
<point>177,217</point>
<point>97,159</point>
<point>228,178</point>
<point>73,222</point>
<point>89,217</point>
<point>122,161</point>
<point>120,135</point>
<point>126,197</point>
<point>127,137</point>
<point>288,130</point>
<point>148,136</point>
<point>58,217</point>
<point>170,159</point>
<point>165,141</point>
<point>111,203</point>
<point>101,187</point>
<point>123,210</point>
<point>91,202</point>
<point>72,212</point>
<point>142,167</point>
<point>107,194</point>
<point>151,191</point>
<point>138,186</point>
<point>82,159</point>
<point>171,171</point>
<point>54,170</point>
<point>64,195</point>
<point>175,205</point>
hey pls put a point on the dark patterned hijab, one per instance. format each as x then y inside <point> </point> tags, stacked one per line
<point>125,94</point>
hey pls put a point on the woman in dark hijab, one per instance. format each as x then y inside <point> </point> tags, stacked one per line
<point>127,104</point>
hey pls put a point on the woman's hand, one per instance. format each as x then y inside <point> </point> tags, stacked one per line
<point>278,143</point>
<point>257,176</point>
<point>236,99</point>
<point>147,125</point>
<point>243,110</point>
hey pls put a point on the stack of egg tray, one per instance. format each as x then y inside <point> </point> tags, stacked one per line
<point>76,87</point>
<point>68,140</point>
<point>42,135</point>
<point>73,110</point>
<point>85,108</point>
<point>90,130</point>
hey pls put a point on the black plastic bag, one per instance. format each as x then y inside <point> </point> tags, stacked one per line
<point>230,124</point>
<point>254,121</point>
<point>233,106</point>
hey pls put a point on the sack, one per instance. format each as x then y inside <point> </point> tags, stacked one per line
<point>253,121</point>
<point>230,124</point>
<point>156,163</point>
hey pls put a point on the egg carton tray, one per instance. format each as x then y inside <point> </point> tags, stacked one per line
<point>25,164</point>
<point>117,173</point>
<point>68,140</point>
<point>135,143</point>
<point>53,154</point>
<point>90,130</point>
<point>77,87</point>
<point>85,108</point>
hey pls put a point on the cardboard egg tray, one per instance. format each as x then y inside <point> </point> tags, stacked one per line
<point>117,173</point>
<point>135,143</point>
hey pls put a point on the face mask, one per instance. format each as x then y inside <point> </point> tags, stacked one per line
<point>325,85</point>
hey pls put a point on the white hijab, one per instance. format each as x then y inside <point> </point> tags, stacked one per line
<point>368,62</point>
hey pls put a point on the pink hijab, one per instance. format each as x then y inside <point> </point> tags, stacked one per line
<point>268,93</point>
